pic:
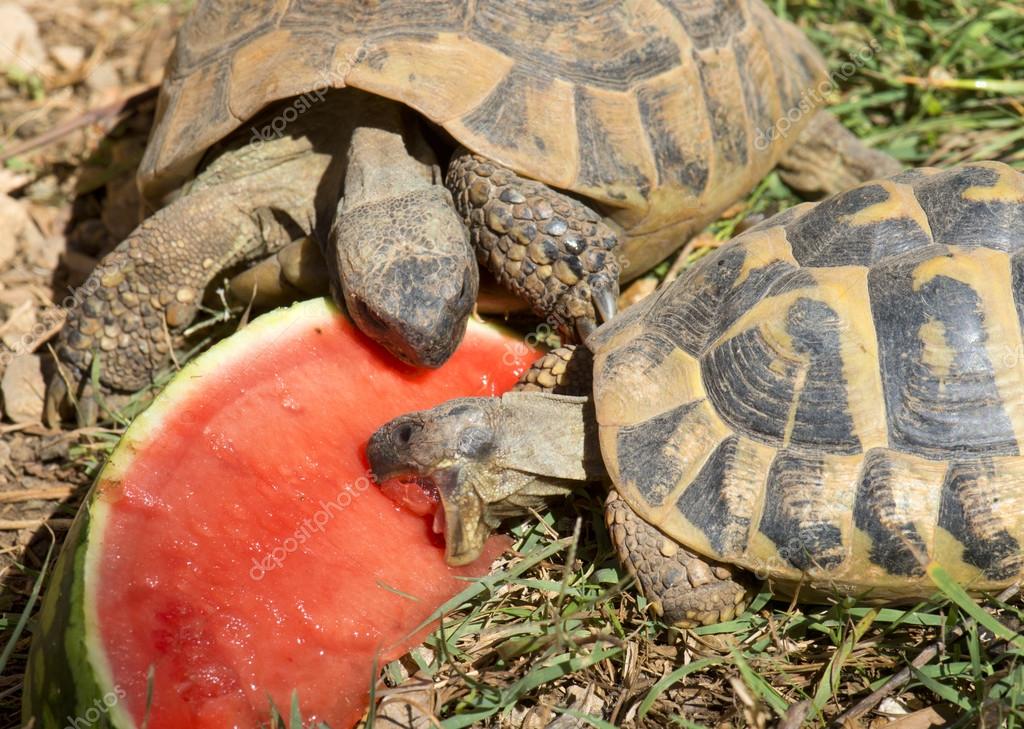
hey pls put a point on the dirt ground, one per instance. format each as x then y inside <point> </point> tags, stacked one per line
<point>76,104</point>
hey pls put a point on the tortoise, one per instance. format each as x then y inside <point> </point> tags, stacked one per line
<point>830,401</point>
<point>582,142</point>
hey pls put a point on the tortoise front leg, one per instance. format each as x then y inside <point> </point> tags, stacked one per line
<point>149,288</point>
<point>295,272</point>
<point>827,158</point>
<point>548,248</point>
<point>685,589</point>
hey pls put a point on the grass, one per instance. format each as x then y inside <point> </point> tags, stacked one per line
<point>557,629</point>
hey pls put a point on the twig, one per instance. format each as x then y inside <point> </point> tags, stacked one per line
<point>46,494</point>
<point>900,678</point>
<point>82,120</point>
<point>13,525</point>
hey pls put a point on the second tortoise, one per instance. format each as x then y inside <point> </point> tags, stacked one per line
<point>832,402</point>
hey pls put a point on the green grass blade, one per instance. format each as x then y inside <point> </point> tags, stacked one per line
<point>663,683</point>
<point>19,627</point>
<point>759,686</point>
<point>829,683</point>
<point>952,589</point>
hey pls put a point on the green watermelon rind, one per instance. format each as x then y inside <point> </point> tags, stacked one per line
<point>68,676</point>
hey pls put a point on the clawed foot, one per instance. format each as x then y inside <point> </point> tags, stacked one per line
<point>550,249</point>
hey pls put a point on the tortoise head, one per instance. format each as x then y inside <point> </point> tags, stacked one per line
<point>487,459</point>
<point>408,275</point>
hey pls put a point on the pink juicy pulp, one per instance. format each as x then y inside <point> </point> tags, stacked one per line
<point>269,456</point>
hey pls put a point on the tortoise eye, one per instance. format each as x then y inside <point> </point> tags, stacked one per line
<point>404,433</point>
<point>466,292</point>
<point>364,314</point>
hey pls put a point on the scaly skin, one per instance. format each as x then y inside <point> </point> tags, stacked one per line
<point>397,253</point>
<point>685,589</point>
<point>151,285</point>
<point>546,247</point>
<point>562,371</point>
<point>398,248</point>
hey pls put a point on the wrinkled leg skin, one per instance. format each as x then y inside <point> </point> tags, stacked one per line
<point>564,370</point>
<point>250,201</point>
<point>685,589</point>
<point>827,158</point>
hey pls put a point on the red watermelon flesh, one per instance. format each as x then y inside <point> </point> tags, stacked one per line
<point>237,544</point>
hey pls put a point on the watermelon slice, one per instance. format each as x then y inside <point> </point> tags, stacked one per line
<point>234,550</point>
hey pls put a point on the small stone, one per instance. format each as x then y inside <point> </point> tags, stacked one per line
<point>5,453</point>
<point>70,58</point>
<point>23,389</point>
<point>18,329</point>
<point>42,252</point>
<point>54,449</point>
<point>20,45</point>
<point>17,231</point>
<point>103,78</point>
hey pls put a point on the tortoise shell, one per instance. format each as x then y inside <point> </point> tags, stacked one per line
<point>661,112</point>
<point>837,395</point>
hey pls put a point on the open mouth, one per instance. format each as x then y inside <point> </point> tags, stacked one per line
<point>419,495</point>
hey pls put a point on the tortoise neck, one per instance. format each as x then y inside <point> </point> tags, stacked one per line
<point>388,155</point>
<point>551,437</point>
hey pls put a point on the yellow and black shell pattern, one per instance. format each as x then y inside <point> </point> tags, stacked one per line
<point>662,112</point>
<point>836,397</point>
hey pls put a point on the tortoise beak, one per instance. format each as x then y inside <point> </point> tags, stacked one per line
<point>465,529</point>
<point>462,510</point>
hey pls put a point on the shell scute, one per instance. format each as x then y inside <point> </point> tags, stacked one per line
<point>868,389</point>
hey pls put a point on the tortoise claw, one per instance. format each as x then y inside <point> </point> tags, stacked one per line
<point>61,400</point>
<point>56,400</point>
<point>605,301</point>
<point>584,328</point>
